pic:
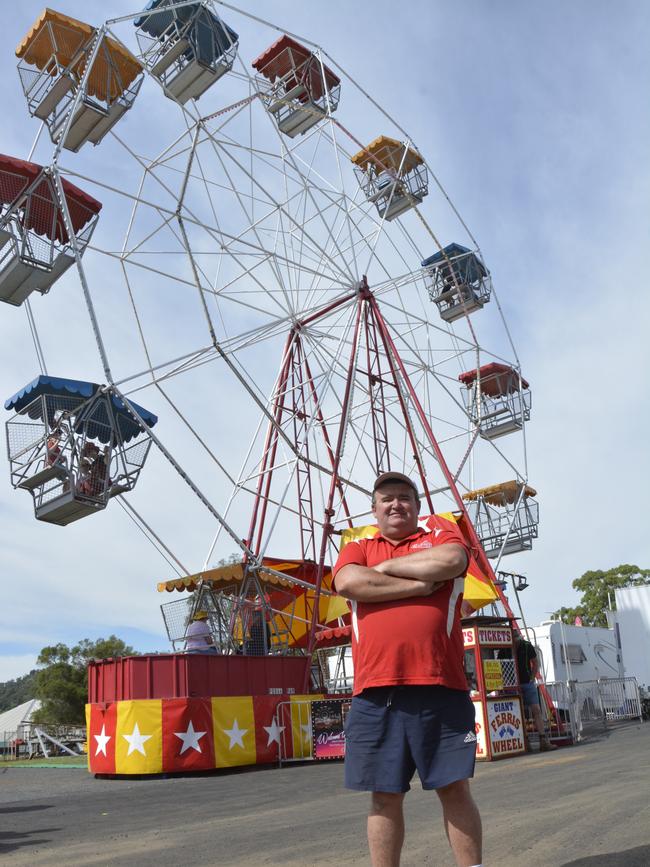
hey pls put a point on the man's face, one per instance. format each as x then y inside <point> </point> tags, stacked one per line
<point>396,510</point>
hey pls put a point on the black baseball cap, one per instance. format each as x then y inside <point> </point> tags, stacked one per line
<point>395,477</point>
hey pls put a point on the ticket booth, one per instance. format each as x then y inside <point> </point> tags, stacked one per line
<point>494,688</point>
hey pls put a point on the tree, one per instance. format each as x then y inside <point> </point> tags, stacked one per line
<point>62,682</point>
<point>18,691</point>
<point>597,588</point>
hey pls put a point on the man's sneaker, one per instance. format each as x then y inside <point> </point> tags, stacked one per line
<point>546,746</point>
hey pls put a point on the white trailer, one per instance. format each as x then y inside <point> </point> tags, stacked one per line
<point>578,653</point>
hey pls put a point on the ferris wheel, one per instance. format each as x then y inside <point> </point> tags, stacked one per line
<point>262,257</point>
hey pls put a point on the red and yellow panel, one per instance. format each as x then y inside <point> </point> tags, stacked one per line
<point>194,734</point>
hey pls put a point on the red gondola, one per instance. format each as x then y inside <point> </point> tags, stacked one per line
<point>35,244</point>
<point>302,89</point>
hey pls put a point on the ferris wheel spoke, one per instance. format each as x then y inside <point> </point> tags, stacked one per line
<point>281,207</point>
<point>251,225</point>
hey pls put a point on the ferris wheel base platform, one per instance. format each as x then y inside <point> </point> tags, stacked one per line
<point>171,713</point>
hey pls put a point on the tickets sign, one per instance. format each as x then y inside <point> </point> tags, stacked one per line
<point>495,636</point>
<point>505,727</point>
<point>469,637</point>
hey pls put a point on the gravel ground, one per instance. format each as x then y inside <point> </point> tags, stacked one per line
<point>584,806</point>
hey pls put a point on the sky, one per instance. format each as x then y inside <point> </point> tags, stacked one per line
<point>534,117</point>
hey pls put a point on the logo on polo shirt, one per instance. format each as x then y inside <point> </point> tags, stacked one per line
<point>470,737</point>
<point>424,544</point>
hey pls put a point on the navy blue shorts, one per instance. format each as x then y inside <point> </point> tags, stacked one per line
<point>391,732</point>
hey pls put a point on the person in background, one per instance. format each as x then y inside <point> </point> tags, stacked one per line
<point>53,448</point>
<point>198,637</point>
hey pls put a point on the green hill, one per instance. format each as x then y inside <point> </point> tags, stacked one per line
<point>17,691</point>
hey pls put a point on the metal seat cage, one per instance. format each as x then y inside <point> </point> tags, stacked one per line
<point>37,84</point>
<point>108,112</point>
<point>304,86</point>
<point>239,624</point>
<point>383,187</point>
<point>511,528</point>
<point>32,207</point>
<point>492,411</point>
<point>200,37</point>
<point>460,279</point>
<point>51,91</point>
<point>61,444</point>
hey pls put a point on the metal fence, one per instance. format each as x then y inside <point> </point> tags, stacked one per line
<point>594,705</point>
<point>294,718</point>
<point>29,740</point>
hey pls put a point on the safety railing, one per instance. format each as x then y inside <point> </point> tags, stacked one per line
<point>594,705</point>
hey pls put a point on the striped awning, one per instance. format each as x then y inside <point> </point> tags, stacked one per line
<point>219,578</point>
<point>503,494</point>
<point>334,636</point>
<point>232,573</point>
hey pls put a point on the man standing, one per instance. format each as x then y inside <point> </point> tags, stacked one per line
<point>527,668</point>
<point>411,709</point>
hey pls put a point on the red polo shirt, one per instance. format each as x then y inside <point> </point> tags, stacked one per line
<point>415,641</point>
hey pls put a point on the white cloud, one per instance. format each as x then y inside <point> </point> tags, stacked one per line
<point>12,667</point>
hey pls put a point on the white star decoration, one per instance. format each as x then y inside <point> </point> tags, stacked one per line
<point>273,731</point>
<point>136,741</point>
<point>190,739</point>
<point>102,740</point>
<point>236,735</point>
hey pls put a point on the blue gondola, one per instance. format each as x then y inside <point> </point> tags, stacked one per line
<point>458,281</point>
<point>73,445</point>
<point>186,49</point>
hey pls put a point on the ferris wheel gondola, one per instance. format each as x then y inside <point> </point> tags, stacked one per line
<point>76,78</point>
<point>38,221</point>
<point>186,49</point>
<point>74,446</point>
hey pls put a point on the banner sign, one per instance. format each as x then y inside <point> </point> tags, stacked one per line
<point>505,726</point>
<point>328,721</point>
<point>492,674</point>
